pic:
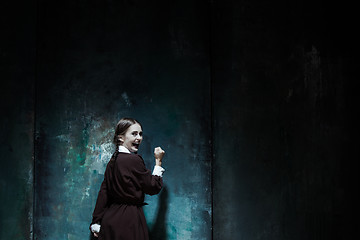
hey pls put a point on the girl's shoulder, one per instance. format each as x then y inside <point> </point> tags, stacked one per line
<point>129,159</point>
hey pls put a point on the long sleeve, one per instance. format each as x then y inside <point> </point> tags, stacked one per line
<point>101,203</point>
<point>137,178</point>
<point>150,184</point>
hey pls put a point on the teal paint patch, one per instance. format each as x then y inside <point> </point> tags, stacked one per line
<point>16,172</point>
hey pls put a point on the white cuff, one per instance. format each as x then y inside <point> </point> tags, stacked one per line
<point>95,228</point>
<point>158,171</point>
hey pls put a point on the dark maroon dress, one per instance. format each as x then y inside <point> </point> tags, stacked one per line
<point>119,204</point>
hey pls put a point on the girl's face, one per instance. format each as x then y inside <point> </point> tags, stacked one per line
<point>132,138</point>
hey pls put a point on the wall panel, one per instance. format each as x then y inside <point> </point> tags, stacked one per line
<point>17,68</point>
<point>98,62</point>
<point>280,121</point>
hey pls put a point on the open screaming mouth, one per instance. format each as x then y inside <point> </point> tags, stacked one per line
<point>136,145</point>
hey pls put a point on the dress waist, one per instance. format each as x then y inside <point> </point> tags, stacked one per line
<point>129,203</point>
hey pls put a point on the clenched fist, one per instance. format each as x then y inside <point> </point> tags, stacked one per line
<point>158,154</point>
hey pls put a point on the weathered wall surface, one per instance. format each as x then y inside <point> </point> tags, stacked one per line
<point>281,74</point>
<point>100,61</point>
<point>252,101</point>
<point>17,69</point>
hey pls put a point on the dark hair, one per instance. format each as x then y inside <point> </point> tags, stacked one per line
<point>121,127</point>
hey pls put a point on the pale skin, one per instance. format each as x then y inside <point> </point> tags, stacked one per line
<point>132,140</point>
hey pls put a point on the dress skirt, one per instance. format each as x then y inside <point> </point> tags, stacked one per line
<point>124,222</point>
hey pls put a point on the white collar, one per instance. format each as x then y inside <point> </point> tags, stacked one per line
<point>123,149</point>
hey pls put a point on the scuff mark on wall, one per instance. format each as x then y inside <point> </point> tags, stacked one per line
<point>313,80</point>
<point>126,99</point>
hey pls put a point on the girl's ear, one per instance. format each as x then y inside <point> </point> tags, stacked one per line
<point>121,139</point>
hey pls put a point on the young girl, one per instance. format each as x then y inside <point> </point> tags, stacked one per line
<point>118,211</point>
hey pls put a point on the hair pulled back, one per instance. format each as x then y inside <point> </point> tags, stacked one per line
<point>121,127</point>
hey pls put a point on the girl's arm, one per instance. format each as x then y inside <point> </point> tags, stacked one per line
<point>100,208</point>
<point>150,183</point>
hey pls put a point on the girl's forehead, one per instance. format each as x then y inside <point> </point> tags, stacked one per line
<point>135,127</point>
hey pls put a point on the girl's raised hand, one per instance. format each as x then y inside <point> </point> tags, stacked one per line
<point>158,154</point>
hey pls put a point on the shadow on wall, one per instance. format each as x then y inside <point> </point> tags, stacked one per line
<point>158,232</point>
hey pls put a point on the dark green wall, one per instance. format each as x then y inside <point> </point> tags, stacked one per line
<point>100,61</point>
<point>282,95</point>
<point>252,101</point>
<point>17,69</point>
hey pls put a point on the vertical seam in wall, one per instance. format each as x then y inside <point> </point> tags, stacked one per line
<point>211,90</point>
<point>33,223</point>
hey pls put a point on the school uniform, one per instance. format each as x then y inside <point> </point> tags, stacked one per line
<point>118,208</point>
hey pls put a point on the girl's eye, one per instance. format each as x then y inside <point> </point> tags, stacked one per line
<point>136,133</point>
